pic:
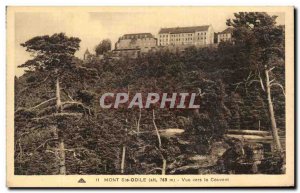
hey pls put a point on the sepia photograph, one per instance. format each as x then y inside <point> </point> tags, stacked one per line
<point>150,96</point>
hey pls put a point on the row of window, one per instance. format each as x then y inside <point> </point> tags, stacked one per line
<point>199,38</point>
<point>135,36</point>
<point>184,39</point>
<point>201,33</point>
<point>224,39</point>
<point>224,35</point>
<point>178,35</point>
<point>133,45</point>
<point>182,43</point>
<point>182,34</point>
<point>143,39</point>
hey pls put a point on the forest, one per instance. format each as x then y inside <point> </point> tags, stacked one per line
<point>60,127</point>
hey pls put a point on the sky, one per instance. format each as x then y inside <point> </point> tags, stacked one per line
<point>93,26</point>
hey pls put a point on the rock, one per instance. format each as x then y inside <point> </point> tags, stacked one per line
<point>188,169</point>
<point>198,158</point>
<point>171,132</point>
<point>182,142</point>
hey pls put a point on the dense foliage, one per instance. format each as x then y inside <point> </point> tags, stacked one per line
<point>103,47</point>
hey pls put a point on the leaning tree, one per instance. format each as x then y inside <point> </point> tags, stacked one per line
<point>55,72</point>
<point>262,42</point>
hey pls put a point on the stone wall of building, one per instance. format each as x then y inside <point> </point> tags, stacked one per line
<point>198,35</point>
<point>142,41</point>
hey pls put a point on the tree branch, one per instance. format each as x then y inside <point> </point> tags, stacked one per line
<point>45,142</point>
<point>271,69</point>
<point>68,95</point>
<point>251,81</point>
<point>56,115</point>
<point>237,85</point>
<point>261,82</point>
<point>138,121</point>
<point>76,103</point>
<point>54,98</point>
<point>272,81</point>
<point>32,108</point>
<point>277,84</point>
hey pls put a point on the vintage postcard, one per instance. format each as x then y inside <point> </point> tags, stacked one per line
<point>150,97</point>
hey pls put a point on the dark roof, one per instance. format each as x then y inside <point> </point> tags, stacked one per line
<point>87,51</point>
<point>176,30</point>
<point>138,35</point>
<point>227,30</point>
<point>127,49</point>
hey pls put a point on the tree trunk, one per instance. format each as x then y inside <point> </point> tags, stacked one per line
<point>117,161</point>
<point>123,159</point>
<point>156,129</point>
<point>61,147</point>
<point>271,112</point>
<point>124,145</point>
<point>138,122</point>
<point>58,100</point>
<point>163,172</point>
<point>62,161</point>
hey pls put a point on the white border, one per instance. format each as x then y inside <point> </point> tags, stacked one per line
<point>4,3</point>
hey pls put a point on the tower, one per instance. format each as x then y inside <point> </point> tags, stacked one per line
<point>86,55</point>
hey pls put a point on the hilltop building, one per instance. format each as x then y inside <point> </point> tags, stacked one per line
<point>142,42</point>
<point>87,55</point>
<point>195,35</point>
<point>225,35</point>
